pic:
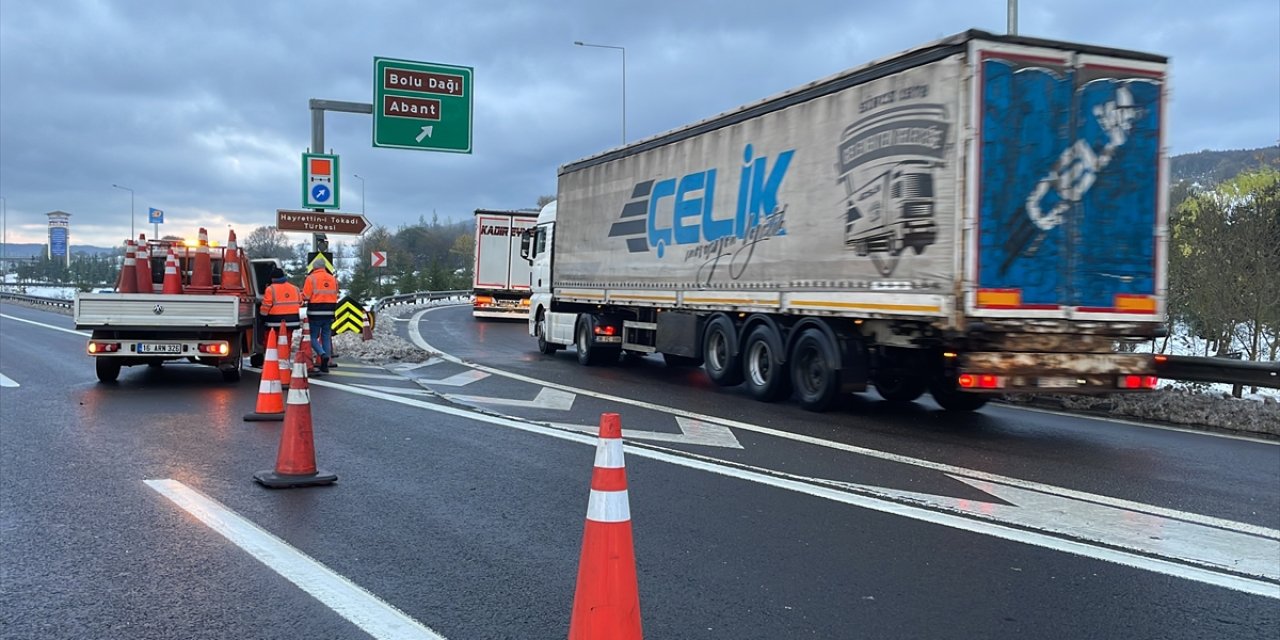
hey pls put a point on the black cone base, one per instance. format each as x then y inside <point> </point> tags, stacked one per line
<point>272,480</point>
<point>264,417</point>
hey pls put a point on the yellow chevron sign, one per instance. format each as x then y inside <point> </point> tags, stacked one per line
<point>349,317</point>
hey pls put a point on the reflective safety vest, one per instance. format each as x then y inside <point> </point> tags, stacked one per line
<point>281,301</point>
<point>321,293</point>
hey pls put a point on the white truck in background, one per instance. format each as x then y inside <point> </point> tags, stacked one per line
<point>500,285</point>
<point>977,215</point>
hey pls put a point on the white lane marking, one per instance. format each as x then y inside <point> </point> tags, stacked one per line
<point>411,366</point>
<point>456,380</point>
<point>1119,503</point>
<point>841,493</point>
<point>371,376</point>
<point>691,432</point>
<point>552,399</point>
<point>348,599</point>
<point>46,326</point>
<point>401,390</point>
<point>6,381</point>
<point>1210,547</point>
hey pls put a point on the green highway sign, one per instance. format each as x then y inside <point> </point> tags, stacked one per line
<point>421,105</point>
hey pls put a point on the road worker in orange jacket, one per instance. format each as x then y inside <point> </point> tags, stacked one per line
<point>320,292</point>
<point>281,301</point>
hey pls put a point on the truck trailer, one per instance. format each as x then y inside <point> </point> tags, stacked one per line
<point>500,287</point>
<point>978,215</point>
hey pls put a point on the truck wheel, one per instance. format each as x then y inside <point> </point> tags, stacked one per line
<point>719,353</point>
<point>896,387</point>
<point>108,369</point>
<point>951,398</point>
<point>816,378</point>
<point>544,346</point>
<point>589,355</point>
<point>762,366</point>
<point>257,359</point>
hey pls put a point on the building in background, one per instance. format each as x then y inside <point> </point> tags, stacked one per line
<point>59,236</point>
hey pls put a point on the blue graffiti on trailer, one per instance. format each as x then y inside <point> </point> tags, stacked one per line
<point>1069,184</point>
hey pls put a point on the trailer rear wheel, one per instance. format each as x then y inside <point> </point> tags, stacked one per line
<point>763,367</point>
<point>108,369</point>
<point>816,378</point>
<point>950,397</point>
<point>719,352</point>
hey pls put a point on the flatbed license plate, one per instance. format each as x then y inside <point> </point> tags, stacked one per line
<point>1057,382</point>
<point>160,348</point>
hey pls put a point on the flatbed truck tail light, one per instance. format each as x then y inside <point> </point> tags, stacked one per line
<point>524,302</point>
<point>96,346</point>
<point>606,330</point>
<point>214,348</point>
<point>483,301</point>
<point>980,381</point>
<point>1138,382</point>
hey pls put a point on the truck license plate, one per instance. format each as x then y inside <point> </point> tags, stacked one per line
<point>159,348</point>
<point>1057,382</point>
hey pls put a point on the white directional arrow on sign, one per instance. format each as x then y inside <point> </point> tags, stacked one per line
<point>1242,552</point>
<point>691,432</point>
<point>426,133</point>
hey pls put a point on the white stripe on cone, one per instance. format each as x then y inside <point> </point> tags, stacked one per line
<point>609,453</point>
<point>607,506</point>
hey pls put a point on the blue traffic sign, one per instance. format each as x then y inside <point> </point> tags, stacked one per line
<point>320,193</point>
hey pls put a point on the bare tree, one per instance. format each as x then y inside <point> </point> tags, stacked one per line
<point>267,242</point>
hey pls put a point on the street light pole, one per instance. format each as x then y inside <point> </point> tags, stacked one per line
<point>624,80</point>
<point>131,233</point>
<point>357,177</point>
<point>4,239</point>
<point>1013,18</point>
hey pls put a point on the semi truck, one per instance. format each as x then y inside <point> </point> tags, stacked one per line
<point>978,215</point>
<point>212,323</point>
<point>500,287</point>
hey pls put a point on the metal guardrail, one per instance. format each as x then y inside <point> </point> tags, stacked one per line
<point>50,302</point>
<point>1218,370</point>
<point>416,298</point>
<point>1169,367</point>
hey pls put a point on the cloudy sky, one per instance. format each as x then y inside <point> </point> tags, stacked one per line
<point>202,107</point>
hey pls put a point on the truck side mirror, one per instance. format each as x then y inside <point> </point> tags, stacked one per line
<point>526,244</point>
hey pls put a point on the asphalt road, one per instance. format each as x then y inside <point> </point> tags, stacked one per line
<point>867,522</point>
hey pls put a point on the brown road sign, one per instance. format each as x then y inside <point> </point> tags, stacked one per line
<point>350,224</point>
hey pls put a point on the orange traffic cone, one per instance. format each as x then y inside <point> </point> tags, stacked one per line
<point>202,274</point>
<point>172,280</point>
<point>270,405</point>
<point>306,339</point>
<point>142,262</point>
<point>282,353</point>
<point>296,460</point>
<point>606,603</point>
<point>129,273</point>
<point>232,282</point>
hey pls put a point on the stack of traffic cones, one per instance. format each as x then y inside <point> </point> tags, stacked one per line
<point>129,273</point>
<point>270,405</point>
<point>282,354</point>
<point>172,279</point>
<point>296,460</point>
<point>606,603</point>
<point>202,273</point>
<point>232,281</point>
<point>142,263</point>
